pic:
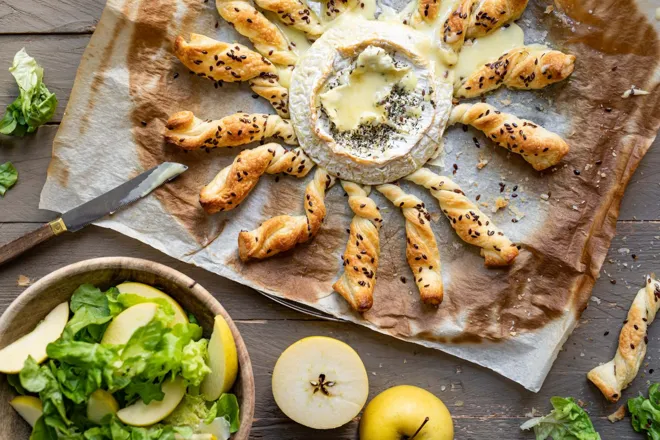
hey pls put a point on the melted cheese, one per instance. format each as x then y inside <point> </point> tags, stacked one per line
<point>357,101</point>
<point>488,48</point>
<point>300,43</point>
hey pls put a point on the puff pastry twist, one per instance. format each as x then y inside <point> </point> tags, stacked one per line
<point>521,68</point>
<point>455,27</point>
<point>360,260</point>
<point>611,378</point>
<point>233,184</point>
<point>427,10</point>
<point>281,233</point>
<point>220,61</point>
<point>538,146</point>
<point>267,38</point>
<point>421,249</point>
<point>296,14</point>
<point>492,14</point>
<point>188,132</point>
<point>472,225</point>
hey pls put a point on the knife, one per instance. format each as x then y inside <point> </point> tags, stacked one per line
<point>95,209</point>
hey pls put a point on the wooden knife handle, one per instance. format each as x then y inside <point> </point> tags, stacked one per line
<point>15,248</point>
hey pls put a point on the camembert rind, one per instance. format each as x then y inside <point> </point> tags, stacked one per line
<point>319,65</point>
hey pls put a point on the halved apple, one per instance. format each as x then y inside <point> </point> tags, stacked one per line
<point>141,414</point>
<point>223,360</point>
<point>124,325</point>
<point>100,404</point>
<point>29,407</point>
<point>320,382</point>
<point>34,344</point>
<point>147,291</point>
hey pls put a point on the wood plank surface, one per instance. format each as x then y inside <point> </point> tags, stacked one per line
<point>44,16</point>
<point>484,405</point>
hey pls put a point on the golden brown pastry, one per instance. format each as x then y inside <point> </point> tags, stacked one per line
<point>472,225</point>
<point>617,374</point>
<point>267,38</point>
<point>538,146</point>
<point>284,232</point>
<point>331,9</point>
<point>454,28</point>
<point>187,131</point>
<point>357,282</point>
<point>296,14</point>
<point>421,250</point>
<point>427,10</point>
<point>521,68</point>
<point>220,61</point>
<point>233,184</point>
<point>491,14</point>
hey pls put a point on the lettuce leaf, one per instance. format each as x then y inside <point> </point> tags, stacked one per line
<point>194,410</point>
<point>8,177</point>
<point>194,366</point>
<point>645,413</point>
<point>227,407</point>
<point>35,104</point>
<point>41,380</point>
<point>91,314</point>
<point>568,421</point>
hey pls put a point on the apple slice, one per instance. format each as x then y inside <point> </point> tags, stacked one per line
<point>100,404</point>
<point>34,344</point>
<point>147,291</point>
<point>141,414</point>
<point>320,382</point>
<point>223,361</point>
<point>124,325</point>
<point>29,407</point>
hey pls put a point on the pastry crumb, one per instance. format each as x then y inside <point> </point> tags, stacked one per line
<point>482,163</point>
<point>23,281</point>
<point>506,102</point>
<point>634,91</point>
<point>500,203</point>
<point>549,9</point>
<point>657,14</point>
<point>617,415</point>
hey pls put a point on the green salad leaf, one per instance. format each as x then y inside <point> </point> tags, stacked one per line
<point>8,177</point>
<point>91,312</point>
<point>568,421</point>
<point>35,104</point>
<point>227,407</point>
<point>645,413</point>
<point>194,366</point>
<point>194,410</point>
<point>41,379</point>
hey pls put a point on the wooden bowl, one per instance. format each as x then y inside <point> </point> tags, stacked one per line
<point>34,304</point>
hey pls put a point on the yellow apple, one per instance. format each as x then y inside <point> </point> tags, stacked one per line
<point>34,344</point>
<point>141,414</point>
<point>147,291</point>
<point>320,382</point>
<point>406,412</point>
<point>28,407</point>
<point>223,361</point>
<point>123,326</point>
<point>100,404</point>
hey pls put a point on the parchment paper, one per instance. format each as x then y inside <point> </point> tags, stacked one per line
<point>514,320</point>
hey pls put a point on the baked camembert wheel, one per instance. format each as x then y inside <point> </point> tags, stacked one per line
<point>366,101</point>
<point>372,110</point>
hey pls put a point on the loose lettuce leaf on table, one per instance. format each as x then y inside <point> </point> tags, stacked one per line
<point>8,177</point>
<point>568,421</point>
<point>35,104</point>
<point>645,413</point>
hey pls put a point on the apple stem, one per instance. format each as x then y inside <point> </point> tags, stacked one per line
<point>426,420</point>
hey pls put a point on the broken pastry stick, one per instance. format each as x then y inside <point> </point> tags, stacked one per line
<point>421,250</point>
<point>296,14</point>
<point>360,259</point>
<point>538,146</point>
<point>233,184</point>
<point>472,225</point>
<point>522,68</point>
<point>614,376</point>
<point>188,132</point>
<point>224,62</point>
<point>427,11</point>
<point>284,232</point>
<point>267,38</point>
<point>489,15</point>
<point>455,27</point>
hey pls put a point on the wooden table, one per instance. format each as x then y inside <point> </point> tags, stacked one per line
<point>484,404</point>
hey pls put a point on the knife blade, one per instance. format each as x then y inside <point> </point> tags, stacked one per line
<point>95,209</point>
